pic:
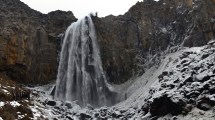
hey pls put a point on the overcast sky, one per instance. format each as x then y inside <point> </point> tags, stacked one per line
<point>81,8</point>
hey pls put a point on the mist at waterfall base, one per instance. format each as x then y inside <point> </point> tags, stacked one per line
<point>80,74</point>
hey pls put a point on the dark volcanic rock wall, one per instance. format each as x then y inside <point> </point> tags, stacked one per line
<point>28,41</point>
<point>149,28</point>
<point>119,40</point>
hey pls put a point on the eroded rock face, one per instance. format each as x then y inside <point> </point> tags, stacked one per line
<point>129,41</point>
<point>119,41</point>
<point>28,41</point>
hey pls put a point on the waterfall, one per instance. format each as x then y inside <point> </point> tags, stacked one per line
<point>80,74</point>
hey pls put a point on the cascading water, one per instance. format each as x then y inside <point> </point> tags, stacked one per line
<point>80,73</point>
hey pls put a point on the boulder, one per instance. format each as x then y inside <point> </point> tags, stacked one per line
<point>51,102</point>
<point>69,117</point>
<point>68,105</point>
<point>145,108</point>
<point>204,56</point>
<point>84,116</point>
<point>204,106</point>
<point>188,79</point>
<point>205,103</point>
<point>165,105</point>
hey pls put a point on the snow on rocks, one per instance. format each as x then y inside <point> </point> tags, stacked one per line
<point>2,104</point>
<point>184,81</point>
<point>5,91</point>
<point>211,42</point>
<point>70,110</point>
<point>14,104</point>
<point>182,87</point>
<point>187,80</point>
<point>14,100</point>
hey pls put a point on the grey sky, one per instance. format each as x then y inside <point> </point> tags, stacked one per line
<point>81,8</point>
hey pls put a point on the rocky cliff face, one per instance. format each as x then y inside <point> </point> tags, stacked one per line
<point>150,29</point>
<point>28,41</point>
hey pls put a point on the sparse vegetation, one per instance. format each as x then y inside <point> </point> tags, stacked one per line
<point>15,99</point>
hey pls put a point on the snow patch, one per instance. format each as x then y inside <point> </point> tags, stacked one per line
<point>5,91</point>
<point>2,104</point>
<point>36,113</point>
<point>164,30</point>
<point>15,104</point>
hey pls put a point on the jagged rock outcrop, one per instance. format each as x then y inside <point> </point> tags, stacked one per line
<point>187,80</point>
<point>149,28</point>
<point>28,41</point>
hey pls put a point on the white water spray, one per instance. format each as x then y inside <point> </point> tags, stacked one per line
<point>80,73</point>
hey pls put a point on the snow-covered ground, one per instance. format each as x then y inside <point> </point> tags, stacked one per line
<point>181,87</point>
<point>140,88</point>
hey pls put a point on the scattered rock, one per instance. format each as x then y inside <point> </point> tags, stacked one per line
<point>70,118</point>
<point>84,116</point>
<point>68,105</point>
<point>103,112</point>
<point>202,77</point>
<point>165,73</point>
<point>174,118</point>
<point>204,106</point>
<point>145,108</point>
<point>19,94</point>
<point>51,103</point>
<point>201,112</point>
<point>212,90</point>
<point>189,79</point>
<point>187,109</point>
<point>90,107</point>
<point>205,78</point>
<point>205,56</point>
<point>96,115</point>
<point>184,69</point>
<point>205,103</point>
<point>214,71</point>
<point>164,105</point>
